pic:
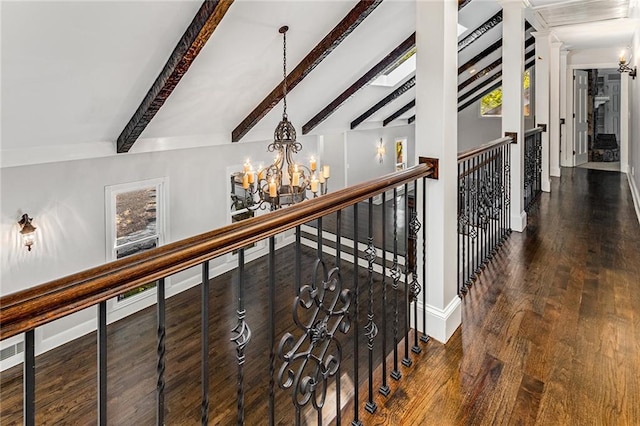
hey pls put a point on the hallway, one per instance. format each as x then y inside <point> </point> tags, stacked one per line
<point>551,331</point>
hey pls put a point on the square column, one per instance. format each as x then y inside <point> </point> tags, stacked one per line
<point>542,99</point>
<point>554,108</point>
<point>512,102</point>
<point>436,129</point>
<point>566,155</point>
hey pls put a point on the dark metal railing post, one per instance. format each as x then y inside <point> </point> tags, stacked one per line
<point>414,288</point>
<point>425,337</point>
<point>406,361</point>
<point>371,330</point>
<point>395,275</point>
<point>298,255</point>
<point>29,373</point>
<point>272,324</point>
<point>384,388</point>
<point>102,363</point>
<point>161,350</point>
<point>356,330</point>
<point>204,350</point>
<point>241,337</point>
<point>338,265</point>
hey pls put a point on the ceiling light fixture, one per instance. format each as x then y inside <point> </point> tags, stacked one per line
<point>284,182</point>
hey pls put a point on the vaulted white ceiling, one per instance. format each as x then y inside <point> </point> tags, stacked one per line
<point>73,73</point>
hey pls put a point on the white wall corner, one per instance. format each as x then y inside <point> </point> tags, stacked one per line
<point>519,222</point>
<point>635,192</point>
<point>441,323</point>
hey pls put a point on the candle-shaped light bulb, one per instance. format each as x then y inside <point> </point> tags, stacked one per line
<point>314,184</point>
<point>622,60</point>
<point>313,164</point>
<point>295,179</point>
<point>247,166</point>
<point>326,172</point>
<point>273,191</point>
<point>245,180</point>
<point>321,178</point>
<point>252,176</point>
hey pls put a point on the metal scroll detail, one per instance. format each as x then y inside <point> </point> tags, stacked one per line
<point>414,227</point>
<point>371,329</point>
<point>320,312</point>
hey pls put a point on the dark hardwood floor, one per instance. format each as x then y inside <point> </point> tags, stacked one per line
<point>550,336</point>
<point>551,331</point>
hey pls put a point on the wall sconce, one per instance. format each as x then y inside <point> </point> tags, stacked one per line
<point>27,230</point>
<point>381,150</point>
<point>624,66</point>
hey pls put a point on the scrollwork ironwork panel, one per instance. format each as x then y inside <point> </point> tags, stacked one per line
<point>320,312</point>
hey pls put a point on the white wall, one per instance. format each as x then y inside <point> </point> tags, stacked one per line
<point>634,131</point>
<point>67,202</point>
<point>333,151</point>
<point>362,157</point>
<point>474,130</point>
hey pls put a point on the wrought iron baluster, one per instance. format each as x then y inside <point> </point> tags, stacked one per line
<point>298,255</point>
<point>29,379</point>
<point>356,321</point>
<point>371,330</point>
<point>338,265</point>
<point>161,350</point>
<point>395,275</point>
<point>204,355</point>
<point>241,335</point>
<point>425,337</point>
<point>102,363</point>
<point>384,388</point>
<point>272,323</point>
<point>414,287</point>
<point>406,361</point>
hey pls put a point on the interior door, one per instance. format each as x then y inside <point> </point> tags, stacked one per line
<point>580,139</point>
<point>612,115</point>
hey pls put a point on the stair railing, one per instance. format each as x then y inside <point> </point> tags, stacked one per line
<point>484,191</point>
<point>326,310</point>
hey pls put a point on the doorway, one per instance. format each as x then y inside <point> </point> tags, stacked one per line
<point>603,119</point>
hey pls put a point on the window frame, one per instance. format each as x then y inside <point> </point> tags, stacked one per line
<point>531,75</point>
<point>111,192</point>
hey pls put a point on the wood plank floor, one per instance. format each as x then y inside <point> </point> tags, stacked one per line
<point>551,331</point>
<point>550,336</point>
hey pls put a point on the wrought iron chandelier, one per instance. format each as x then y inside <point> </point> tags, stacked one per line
<point>284,182</point>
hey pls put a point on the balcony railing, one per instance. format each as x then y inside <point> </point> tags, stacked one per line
<point>304,326</point>
<point>532,166</point>
<point>484,191</point>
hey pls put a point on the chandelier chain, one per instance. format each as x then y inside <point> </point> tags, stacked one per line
<point>284,71</point>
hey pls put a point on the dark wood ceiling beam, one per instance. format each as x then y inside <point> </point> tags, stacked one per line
<point>392,96</point>
<point>332,40</point>
<point>398,113</point>
<point>490,88</point>
<point>486,71</point>
<point>495,64</point>
<point>481,30</point>
<point>369,76</point>
<point>191,43</point>
<point>411,119</point>
<point>486,52</point>
<point>463,3</point>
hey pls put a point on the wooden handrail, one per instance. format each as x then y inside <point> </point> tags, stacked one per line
<point>474,152</point>
<point>36,306</point>
<point>534,131</point>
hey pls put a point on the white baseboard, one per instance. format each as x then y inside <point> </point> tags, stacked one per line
<point>546,185</point>
<point>441,323</point>
<point>519,222</point>
<point>635,193</point>
<point>555,172</point>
